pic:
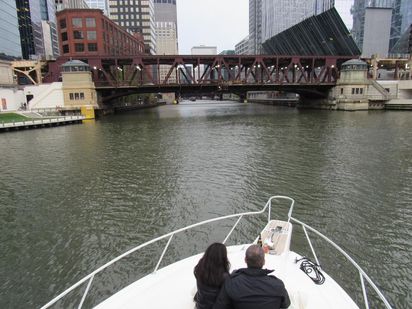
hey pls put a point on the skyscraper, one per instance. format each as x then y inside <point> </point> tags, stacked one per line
<point>406,9</point>
<point>279,15</point>
<point>136,16</point>
<point>37,25</point>
<point>9,31</point>
<point>401,19</point>
<point>166,27</point>
<point>255,27</point>
<point>166,33</point>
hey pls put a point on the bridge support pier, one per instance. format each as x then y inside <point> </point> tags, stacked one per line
<point>351,90</point>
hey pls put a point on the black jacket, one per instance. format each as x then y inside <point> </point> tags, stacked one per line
<point>251,288</point>
<point>205,296</point>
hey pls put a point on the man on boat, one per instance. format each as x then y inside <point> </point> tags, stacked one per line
<point>253,287</point>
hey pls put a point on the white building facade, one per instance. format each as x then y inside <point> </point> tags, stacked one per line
<point>202,50</point>
<point>242,48</point>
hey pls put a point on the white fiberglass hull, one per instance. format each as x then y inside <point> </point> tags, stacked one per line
<point>174,286</point>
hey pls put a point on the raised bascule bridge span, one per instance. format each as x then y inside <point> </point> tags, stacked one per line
<point>117,76</point>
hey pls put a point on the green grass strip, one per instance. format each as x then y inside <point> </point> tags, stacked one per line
<point>12,117</point>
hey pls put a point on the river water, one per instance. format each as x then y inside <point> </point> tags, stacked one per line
<point>74,197</point>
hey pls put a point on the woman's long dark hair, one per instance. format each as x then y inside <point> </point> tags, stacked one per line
<point>214,266</point>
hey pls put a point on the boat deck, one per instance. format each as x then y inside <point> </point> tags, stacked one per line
<point>174,286</point>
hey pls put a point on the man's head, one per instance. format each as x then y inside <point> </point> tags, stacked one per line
<point>255,257</point>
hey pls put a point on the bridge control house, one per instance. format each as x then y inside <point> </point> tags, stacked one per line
<point>87,32</point>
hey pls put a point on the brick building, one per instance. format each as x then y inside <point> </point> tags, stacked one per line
<point>87,32</point>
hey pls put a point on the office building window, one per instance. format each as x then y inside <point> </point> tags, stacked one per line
<point>65,49</point>
<point>76,96</point>
<point>79,47</point>
<point>77,22</point>
<point>78,34</point>
<point>64,36</point>
<point>63,23</point>
<point>90,22</point>
<point>91,47</point>
<point>91,35</point>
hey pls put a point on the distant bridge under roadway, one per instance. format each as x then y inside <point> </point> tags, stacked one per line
<point>121,76</point>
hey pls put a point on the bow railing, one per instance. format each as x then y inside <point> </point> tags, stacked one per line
<point>268,207</point>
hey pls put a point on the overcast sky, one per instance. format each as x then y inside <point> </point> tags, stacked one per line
<point>223,23</point>
<point>220,23</point>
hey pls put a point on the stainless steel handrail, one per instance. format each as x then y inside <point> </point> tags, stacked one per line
<point>349,258</point>
<point>170,235</point>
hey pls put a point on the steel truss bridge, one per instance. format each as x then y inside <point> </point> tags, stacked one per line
<point>116,76</point>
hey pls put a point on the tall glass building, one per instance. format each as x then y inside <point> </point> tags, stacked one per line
<point>9,30</point>
<point>136,16</point>
<point>406,9</point>
<point>401,18</point>
<point>279,15</point>
<point>255,27</point>
<point>37,25</point>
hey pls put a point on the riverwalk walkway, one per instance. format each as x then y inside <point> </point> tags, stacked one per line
<point>41,122</point>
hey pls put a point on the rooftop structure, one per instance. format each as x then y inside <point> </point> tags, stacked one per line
<point>70,4</point>
<point>99,4</point>
<point>204,50</point>
<point>227,52</point>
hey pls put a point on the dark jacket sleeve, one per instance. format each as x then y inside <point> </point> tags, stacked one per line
<point>223,300</point>
<point>285,303</point>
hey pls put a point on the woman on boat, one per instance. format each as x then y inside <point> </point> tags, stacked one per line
<point>211,272</point>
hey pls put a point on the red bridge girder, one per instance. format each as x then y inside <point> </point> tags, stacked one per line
<point>223,70</point>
